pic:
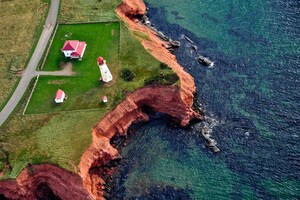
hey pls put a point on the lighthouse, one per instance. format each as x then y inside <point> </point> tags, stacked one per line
<point>105,73</point>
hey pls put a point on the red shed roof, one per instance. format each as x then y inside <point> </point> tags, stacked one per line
<point>70,45</point>
<point>59,94</point>
<point>100,60</point>
<point>79,50</point>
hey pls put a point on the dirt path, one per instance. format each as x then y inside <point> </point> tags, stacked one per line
<point>30,71</point>
<point>66,71</point>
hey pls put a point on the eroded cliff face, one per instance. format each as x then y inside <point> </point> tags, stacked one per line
<point>164,99</point>
<point>44,181</point>
<point>175,101</point>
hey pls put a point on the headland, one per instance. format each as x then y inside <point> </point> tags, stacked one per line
<point>95,164</point>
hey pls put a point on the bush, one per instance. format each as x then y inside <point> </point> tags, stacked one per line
<point>163,66</point>
<point>162,79</point>
<point>127,74</point>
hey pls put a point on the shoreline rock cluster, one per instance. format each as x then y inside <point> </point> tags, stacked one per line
<point>170,44</point>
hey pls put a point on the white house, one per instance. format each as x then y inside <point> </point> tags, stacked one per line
<point>60,96</point>
<point>73,49</point>
<point>105,73</point>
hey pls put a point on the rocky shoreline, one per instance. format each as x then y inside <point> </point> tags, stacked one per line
<point>99,159</point>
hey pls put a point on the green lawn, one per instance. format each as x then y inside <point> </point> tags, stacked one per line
<point>84,90</point>
<point>101,38</point>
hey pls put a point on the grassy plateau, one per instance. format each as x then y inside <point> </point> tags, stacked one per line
<point>59,134</point>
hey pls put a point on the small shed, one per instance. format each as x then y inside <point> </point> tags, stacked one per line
<point>60,96</point>
<point>104,99</point>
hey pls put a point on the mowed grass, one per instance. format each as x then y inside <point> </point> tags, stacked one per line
<point>84,90</point>
<point>101,38</point>
<point>21,23</point>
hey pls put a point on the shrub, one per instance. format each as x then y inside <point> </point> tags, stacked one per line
<point>163,66</point>
<point>127,74</point>
<point>162,79</point>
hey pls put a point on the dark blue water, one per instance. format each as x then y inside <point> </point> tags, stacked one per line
<point>251,103</point>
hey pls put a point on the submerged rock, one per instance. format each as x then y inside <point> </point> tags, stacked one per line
<point>209,142</point>
<point>205,61</point>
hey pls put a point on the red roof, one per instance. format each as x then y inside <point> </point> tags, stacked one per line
<point>79,50</point>
<point>70,45</point>
<point>100,60</point>
<point>59,94</point>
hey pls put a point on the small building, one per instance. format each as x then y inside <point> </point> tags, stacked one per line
<point>60,96</point>
<point>105,73</point>
<point>73,49</point>
<point>104,99</point>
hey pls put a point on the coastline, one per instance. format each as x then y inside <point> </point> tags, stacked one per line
<point>171,100</point>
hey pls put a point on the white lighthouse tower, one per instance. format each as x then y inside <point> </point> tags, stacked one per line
<point>105,73</point>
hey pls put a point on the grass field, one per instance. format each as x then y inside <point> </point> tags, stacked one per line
<point>61,138</point>
<point>88,10</point>
<point>21,22</point>
<point>84,90</point>
<point>53,138</point>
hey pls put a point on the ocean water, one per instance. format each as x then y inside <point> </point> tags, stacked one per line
<point>251,101</point>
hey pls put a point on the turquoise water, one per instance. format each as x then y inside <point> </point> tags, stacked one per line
<point>250,99</point>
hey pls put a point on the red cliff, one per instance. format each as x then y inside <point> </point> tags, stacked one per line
<point>38,180</point>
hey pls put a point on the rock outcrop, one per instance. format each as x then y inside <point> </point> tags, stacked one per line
<point>38,180</point>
